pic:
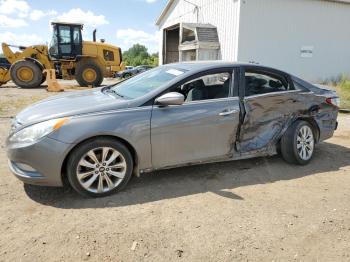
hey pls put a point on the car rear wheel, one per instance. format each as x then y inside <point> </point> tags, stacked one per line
<point>99,167</point>
<point>298,143</point>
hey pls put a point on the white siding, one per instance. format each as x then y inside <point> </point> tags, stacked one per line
<point>224,14</point>
<point>272,32</point>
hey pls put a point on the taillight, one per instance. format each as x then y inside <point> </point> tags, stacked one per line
<point>334,101</point>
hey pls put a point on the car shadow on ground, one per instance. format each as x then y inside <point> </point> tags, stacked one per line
<point>218,178</point>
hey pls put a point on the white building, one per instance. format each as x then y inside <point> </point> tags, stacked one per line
<point>309,38</point>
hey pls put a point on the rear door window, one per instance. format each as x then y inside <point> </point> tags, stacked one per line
<point>258,83</point>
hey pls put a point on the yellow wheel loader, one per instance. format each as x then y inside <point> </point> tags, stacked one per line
<point>72,58</point>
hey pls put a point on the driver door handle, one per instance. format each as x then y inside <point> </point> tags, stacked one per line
<point>228,112</point>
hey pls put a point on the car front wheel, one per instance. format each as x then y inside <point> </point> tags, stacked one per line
<point>99,167</point>
<point>298,143</point>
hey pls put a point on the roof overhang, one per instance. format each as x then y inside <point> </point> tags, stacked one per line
<point>164,12</point>
<point>170,2</point>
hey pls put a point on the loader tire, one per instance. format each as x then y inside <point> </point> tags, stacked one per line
<point>26,74</point>
<point>88,74</point>
<point>43,79</point>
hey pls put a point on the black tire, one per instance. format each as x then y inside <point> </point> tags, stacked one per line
<point>94,81</point>
<point>81,151</point>
<point>26,74</point>
<point>289,143</point>
<point>127,75</point>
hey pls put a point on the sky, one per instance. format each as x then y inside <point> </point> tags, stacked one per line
<point>120,22</point>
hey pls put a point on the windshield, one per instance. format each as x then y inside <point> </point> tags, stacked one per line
<point>146,82</point>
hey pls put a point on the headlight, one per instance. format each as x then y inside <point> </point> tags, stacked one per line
<point>33,133</point>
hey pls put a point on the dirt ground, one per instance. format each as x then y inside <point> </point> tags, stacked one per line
<point>254,210</point>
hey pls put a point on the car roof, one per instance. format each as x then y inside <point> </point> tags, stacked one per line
<point>207,65</point>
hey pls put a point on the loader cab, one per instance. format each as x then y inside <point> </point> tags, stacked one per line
<point>66,41</point>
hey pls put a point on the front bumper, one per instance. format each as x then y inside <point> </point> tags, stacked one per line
<point>44,159</point>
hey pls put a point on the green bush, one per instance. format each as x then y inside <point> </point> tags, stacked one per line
<point>343,89</point>
<point>341,85</point>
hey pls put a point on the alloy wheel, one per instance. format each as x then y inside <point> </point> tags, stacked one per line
<point>305,143</point>
<point>101,170</point>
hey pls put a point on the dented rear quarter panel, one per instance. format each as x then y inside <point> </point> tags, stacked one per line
<point>268,116</point>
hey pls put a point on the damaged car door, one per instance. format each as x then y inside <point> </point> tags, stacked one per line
<point>203,128</point>
<point>269,102</point>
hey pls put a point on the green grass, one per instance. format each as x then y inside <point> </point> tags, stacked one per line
<point>342,86</point>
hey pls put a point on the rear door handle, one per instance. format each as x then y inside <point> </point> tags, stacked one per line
<point>228,112</point>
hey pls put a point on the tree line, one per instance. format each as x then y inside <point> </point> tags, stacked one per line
<point>139,55</point>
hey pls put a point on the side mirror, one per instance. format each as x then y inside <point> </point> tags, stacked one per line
<point>172,98</point>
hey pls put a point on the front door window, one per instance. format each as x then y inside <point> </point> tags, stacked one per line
<point>212,86</point>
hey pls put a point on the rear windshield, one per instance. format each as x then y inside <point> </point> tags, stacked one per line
<point>147,82</point>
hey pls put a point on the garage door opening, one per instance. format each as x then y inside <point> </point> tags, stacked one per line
<point>171,44</point>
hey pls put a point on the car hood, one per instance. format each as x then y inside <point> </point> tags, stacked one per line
<point>70,104</point>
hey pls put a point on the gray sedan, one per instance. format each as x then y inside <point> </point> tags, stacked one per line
<point>173,115</point>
